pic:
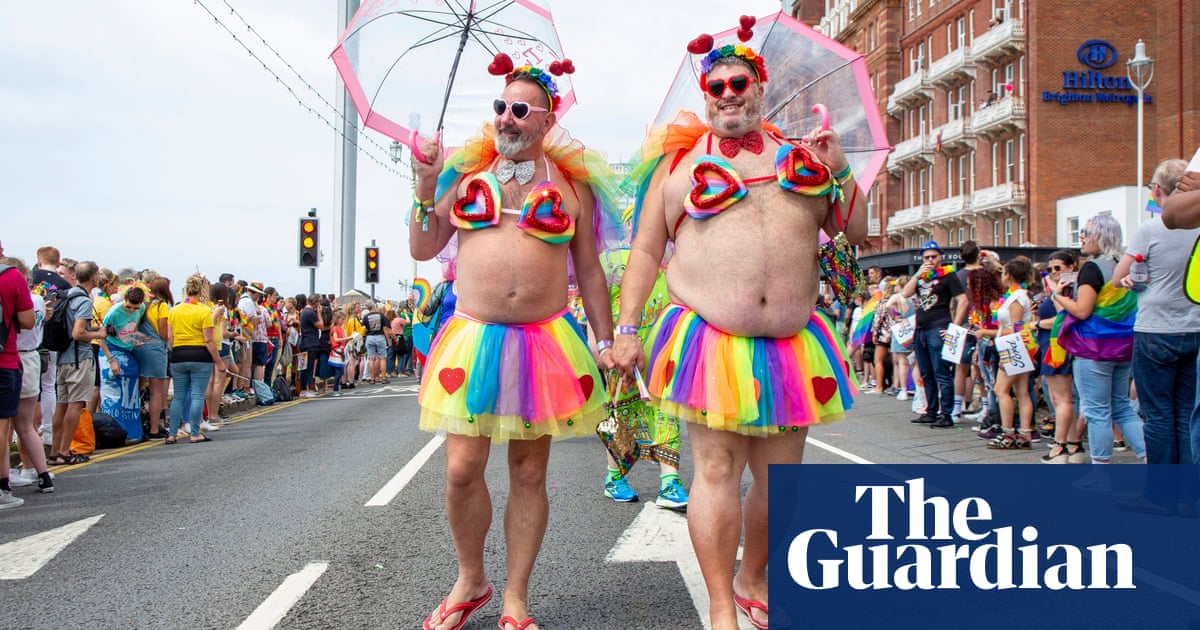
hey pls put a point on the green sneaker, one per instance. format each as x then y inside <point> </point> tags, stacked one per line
<point>673,497</point>
<point>618,490</point>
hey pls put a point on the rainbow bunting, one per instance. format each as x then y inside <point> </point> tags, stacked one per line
<point>1105,336</point>
<point>862,330</point>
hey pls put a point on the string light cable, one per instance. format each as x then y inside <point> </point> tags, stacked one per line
<point>299,100</point>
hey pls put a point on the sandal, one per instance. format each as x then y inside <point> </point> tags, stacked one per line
<point>1060,458</point>
<point>1076,454</point>
<point>508,620</point>
<point>749,606</point>
<point>1009,441</point>
<point>169,440</point>
<point>57,460</point>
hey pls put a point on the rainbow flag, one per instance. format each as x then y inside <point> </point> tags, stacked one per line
<point>1105,336</point>
<point>862,330</point>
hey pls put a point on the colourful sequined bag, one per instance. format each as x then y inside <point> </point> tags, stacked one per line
<point>839,262</point>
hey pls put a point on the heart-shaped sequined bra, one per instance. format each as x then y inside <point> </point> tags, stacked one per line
<point>716,186</point>
<point>479,206</point>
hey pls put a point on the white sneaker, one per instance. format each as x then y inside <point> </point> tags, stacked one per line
<point>22,478</point>
<point>307,394</point>
<point>208,426</point>
<point>903,395</point>
<point>7,500</point>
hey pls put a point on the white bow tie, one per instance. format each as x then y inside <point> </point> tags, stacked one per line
<point>507,169</point>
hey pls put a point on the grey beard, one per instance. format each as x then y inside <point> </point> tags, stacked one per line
<point>743,125</point>
<point>508,148</point>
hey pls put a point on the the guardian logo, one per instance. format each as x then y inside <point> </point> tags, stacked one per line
<point>949,546</point>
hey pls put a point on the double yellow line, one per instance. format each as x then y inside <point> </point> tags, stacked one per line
<point>58,470</point>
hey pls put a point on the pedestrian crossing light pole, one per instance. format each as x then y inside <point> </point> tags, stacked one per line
<point>372,267</point>
<point>310,247</point>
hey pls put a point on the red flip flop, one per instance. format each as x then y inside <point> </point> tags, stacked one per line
<point>507,620</point>
<point>466,608</point>
<point>747,605</point>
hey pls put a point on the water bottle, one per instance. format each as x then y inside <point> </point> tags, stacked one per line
<point>1137,270</point>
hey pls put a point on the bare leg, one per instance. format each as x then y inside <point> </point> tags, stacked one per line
<point>158,399</point>
<point>525,519</point>
<point>469,512</point>
<point>32,454</point>
<point>59,431</point>
<point>881,356</point>
<point>715,515</point>
<point>787,448</point>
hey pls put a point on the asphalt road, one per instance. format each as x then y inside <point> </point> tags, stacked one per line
<point>202,535</point>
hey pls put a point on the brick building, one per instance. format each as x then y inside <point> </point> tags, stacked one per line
<point>1013,120</point>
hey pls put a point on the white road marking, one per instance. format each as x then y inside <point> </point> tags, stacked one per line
<point>365,396</point>
<point>839,452</point>
<point>276,607</point>
<point>659,535</point>
<point>22,558</point>
<point>410,470</point>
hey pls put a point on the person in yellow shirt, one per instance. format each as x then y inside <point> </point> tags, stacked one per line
<point>352,325</point>
<point>194,357</point>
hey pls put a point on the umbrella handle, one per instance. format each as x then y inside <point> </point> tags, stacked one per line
<point>414,144</point>
<point>824,112</point>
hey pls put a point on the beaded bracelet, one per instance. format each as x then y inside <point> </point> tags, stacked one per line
<point>627,330</point>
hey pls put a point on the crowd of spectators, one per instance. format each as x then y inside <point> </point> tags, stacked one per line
<point>158,368</point>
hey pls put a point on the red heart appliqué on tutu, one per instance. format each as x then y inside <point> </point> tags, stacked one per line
<point>587,384</point>
<point>452,379</point>
<point>824,387</point>
<point>799,157</point>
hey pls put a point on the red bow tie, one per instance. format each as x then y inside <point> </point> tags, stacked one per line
<point>752,142</point>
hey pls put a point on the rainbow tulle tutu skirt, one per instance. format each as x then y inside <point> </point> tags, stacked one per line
<point>749,385</point>
<point>511,381</point>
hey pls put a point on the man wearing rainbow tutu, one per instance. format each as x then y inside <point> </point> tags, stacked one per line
<point>512,365</point>
<point>753,365</point>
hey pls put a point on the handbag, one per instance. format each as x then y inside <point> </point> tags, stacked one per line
<point>839,262</point>
<point>617,431</point>
<point>337,358</point>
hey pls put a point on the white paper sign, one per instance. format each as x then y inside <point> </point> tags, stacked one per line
<point>1194,165</point>
<point>1014,356</point>
<point>953,343</point>
<point>903,331</point>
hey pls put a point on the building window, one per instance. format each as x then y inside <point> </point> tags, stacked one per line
<point>921,187</point>
<point>972,231</point>
<point>1073,229</point>
<point>918,3</point>
<point>1010,161</point>
<point>1021,157</point>
<point>962,32</point>
<point>995,161</point>
<point>1021,230</point>
<point>963,164</point>
<point>995,233</point>
<point>911,5</point>
<point>962,232</point>
<point>1008,232</point>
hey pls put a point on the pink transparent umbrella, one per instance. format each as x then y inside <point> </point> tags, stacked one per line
<point>805,69</point>
<point>414,60</point>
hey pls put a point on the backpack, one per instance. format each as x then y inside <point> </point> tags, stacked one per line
<point>56,336</point>
<point>283,391</point>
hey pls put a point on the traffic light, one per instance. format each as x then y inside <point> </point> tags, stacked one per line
<point>372,266</point>
<point>309,250</point>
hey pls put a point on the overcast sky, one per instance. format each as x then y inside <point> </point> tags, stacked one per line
<point>140,134</point>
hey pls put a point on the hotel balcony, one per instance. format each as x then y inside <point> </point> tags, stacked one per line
<point>913,88</point>
<point>951,208</point>
<point>999,42</point>
<point>997,199</point>
<point>1003,116</point>
<point>957,65</point>
<point>956,136</point>
<point>908,218</point>
<point>911,153</point>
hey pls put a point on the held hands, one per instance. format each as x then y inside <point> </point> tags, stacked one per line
<point>605,359</point>
<point>627,353</point>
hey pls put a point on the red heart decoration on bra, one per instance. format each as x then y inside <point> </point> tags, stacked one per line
<point>701,184</point>
<point>558,222</point>
<point>452,379</point>
<point>817,174</point>
<point>479,194</point>
<point>824,387</point>
<point>587,384</point>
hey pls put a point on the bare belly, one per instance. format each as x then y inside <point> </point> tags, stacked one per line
<point>507,276</point>
<point>752,270</point>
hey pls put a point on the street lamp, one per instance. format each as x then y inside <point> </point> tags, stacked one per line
<point>1140,71</point>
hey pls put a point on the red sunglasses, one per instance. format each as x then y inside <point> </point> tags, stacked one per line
<point>737,84</point>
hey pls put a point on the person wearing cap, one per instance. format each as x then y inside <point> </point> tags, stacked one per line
<point>749,367</point>
<point>511,365</point>
<point>935,286</point>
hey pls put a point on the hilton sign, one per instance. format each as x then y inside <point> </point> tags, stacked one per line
<point>1092,85</point>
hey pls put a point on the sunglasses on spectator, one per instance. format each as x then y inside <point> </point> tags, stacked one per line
<point>1083,233</point>
<point>520,109</point>
<point>1057,268</point>
<point>737,84</point>
<point>930,256</point>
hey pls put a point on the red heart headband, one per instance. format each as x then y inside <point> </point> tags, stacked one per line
<point>703,45</point>
<point>502,65</point>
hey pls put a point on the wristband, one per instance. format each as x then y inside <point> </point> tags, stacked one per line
<point>627,330</point>
<point>422,209</point>
<point>843,174</point>
<point>601,346</point>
